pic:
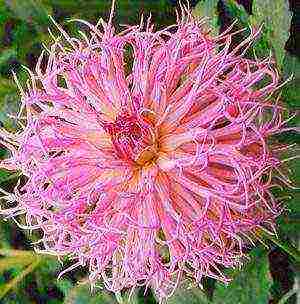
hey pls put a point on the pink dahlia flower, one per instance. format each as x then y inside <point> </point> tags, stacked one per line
<point>150,169</point>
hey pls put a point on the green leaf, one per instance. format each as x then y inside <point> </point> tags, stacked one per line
<point>250,285</point>
<point>32,11</point>
<point>64,285</point>
<point>290,223</point>
<point>23,262</point>
<point>12,262</point>
<point>45,275</point>
<point>237,11</point>
<point>3,153</point>
<point>4,175</point>
<point>188,292</point>
<point>9,102</point>
<point>284,245</point>
<point>81,294</point>
<point>6,86</point>
<point>15,258</point>
<point>7,175</point>
<point>276,17</point>
<point>17,253</point>
<point>291,92</point>
<point>5,288</point>
<point>6,55</point>
<point>208,8</point>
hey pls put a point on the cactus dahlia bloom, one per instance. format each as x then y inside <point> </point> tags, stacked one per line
<point>152,169</point>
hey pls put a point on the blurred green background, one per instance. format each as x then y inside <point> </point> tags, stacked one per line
<point>272,275</point>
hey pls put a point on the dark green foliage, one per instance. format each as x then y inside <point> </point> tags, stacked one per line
<point>32,277</point>
<point>252,285</point>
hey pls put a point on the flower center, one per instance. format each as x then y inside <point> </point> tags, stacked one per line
<point>133,138</point>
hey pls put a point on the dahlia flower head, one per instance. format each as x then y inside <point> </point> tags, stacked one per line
<point>146,152</point>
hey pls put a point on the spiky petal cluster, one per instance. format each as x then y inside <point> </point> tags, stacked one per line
<point>149,169</point>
